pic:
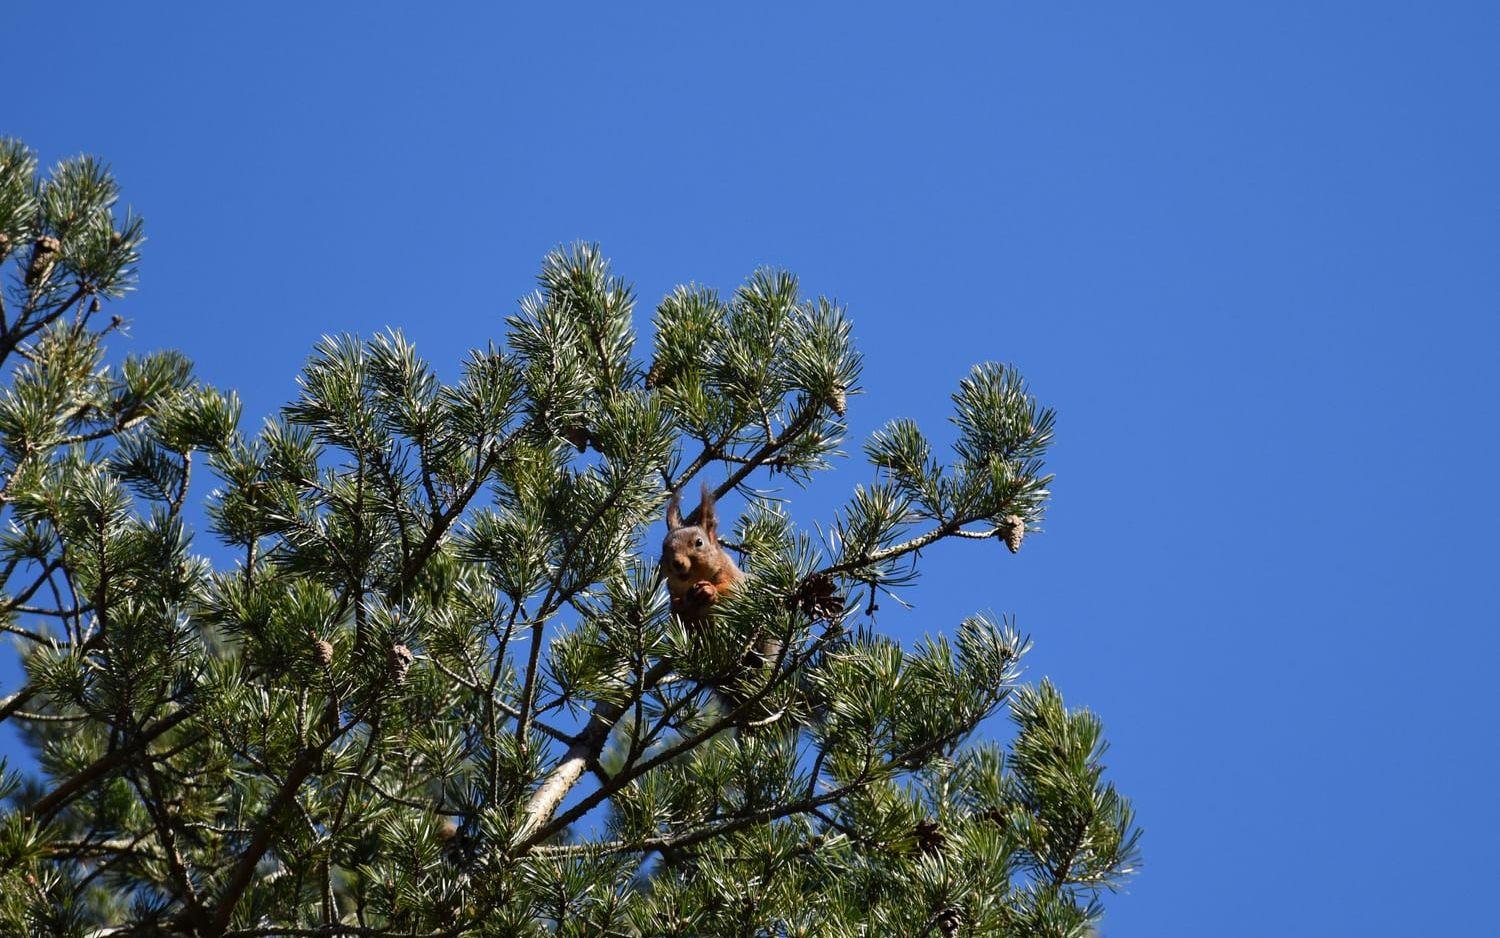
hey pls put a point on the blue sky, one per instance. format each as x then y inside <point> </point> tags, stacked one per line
<point>1247,250</point>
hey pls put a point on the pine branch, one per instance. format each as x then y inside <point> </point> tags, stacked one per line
<point>47,807</point>
<point>243,870</point>
<point>547,608</point>
<point>154,799</point>
<point>537,828</point>
<point>570,768</point>
<point>12,705</point>
<point>484,466</point>
<point>953,528</point>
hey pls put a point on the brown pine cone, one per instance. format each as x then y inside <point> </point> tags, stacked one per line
<point>323,652</point>
<point>400,661</point>
<point>43,255</point>
<point>1013,529</point>
<point>578,436</point>
<point>930,838</point>
<point>949,921</point>
<point>817,599</point>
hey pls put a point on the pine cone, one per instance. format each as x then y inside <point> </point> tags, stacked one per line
<point>43,256</point>
<point>323,652</point>
<point>400,660</point>
<point>656,374</point>
<point>816,597</point>
<point>578,436</point>
<point>1013,529</point>
<point>949,921</point>
<point>839,401</point>
<point>930,838</point>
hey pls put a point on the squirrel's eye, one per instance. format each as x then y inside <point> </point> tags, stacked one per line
<point>699,542</point>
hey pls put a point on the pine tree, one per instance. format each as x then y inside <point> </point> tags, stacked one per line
<point>432,684</point>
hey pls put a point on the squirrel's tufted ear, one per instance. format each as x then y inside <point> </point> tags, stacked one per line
<point>708,517</point>
<point>674,512</point>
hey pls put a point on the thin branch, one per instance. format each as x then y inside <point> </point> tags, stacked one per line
<point>895,550</point>
<point>243,871</point>
<point>555,594</point>
<point>154,799</point>
<point>114,429</point>
<point>182,485</point>
<point>537,828</point>
<point>25,633</point>
<point>49,717</point>
<point>47,807</point>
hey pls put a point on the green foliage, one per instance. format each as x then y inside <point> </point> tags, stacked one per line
<point>438,689</point>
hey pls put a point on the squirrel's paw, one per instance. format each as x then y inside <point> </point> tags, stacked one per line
<point>703,593</point>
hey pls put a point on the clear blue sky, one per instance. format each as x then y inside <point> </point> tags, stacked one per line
<point>1247,250</point>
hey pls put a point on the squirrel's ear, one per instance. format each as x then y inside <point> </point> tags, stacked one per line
<point>674,512</point>
<point>708,518</point>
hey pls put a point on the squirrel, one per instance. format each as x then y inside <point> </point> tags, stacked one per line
<point>698,571</point>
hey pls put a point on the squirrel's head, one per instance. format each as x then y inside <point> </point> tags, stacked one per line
<point>691,552</point>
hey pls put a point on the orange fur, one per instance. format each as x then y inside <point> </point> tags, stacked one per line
<point>698,571</point>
